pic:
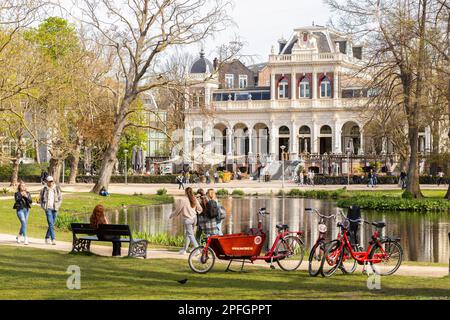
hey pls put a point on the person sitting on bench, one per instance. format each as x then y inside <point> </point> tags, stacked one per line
<point>97,218</point>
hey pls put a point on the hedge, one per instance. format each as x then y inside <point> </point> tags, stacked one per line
<point>318,179</point>
<point>114,179</point>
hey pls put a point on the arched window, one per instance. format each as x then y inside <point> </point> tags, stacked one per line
<point>325,130</point>
<point>305,130</point>
<point>283,89</point>
<point>304,88</point>
<point>283,130</point>
<point>325,88</point>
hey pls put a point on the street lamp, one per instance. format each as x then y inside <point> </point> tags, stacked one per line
<point>348,149</point>
<point>282,165</point>
<point>126,170</point>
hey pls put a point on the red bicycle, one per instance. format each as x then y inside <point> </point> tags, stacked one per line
<point>384,254</point>
<point>318,249</point>
<point>287,250</point>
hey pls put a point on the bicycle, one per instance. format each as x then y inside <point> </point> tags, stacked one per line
<point>386,250</point>
<point>287,250</point>
<point>318,249</point>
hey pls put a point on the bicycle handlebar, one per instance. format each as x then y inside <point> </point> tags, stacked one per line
<point>319,214</point>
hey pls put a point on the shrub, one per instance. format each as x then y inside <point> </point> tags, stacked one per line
<point>222,193</point>
<point>161,192</point>
<point>238,193</point>
<point>162,239</point>
<point>407,195</point>
<point>64,220</point>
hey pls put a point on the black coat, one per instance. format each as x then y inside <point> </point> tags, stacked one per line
<point>22,202</point>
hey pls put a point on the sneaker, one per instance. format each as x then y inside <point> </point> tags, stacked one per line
<point>47,241</point>
<point>18,239</point>
<point>54,242</point>
<point>182,251</point>
<point>26,241</point>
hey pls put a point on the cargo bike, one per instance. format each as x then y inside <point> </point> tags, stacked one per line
<point>287,250</point>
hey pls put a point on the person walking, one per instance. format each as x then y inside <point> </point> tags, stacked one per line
<point>402,180</point>
<point>203,200</point>
<point>370,177</point>
<point>258,167</point>
<point>188,207</point>
<point>301,178</point>
<point>215,210</point>
<point>440,177</point>
<point>208,177</point>
<point>22,204</point>
<point>180,181</point>
<point>50,199</point>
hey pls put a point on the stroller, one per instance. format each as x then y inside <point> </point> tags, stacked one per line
<point>354,213</point>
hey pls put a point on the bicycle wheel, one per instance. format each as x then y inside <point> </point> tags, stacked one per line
<point>201,262</point>
<point>292,250</point>
<point>391,258</point>
<point>348,264</point>
<point>315,258</point>
<point>331,258</point>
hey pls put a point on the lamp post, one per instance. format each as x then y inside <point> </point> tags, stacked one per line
<point>348,149</point>
<point>126,169</point>
<point>282,165</point>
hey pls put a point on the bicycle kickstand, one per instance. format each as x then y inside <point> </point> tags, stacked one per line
<point>271,264</point>
<point>364,271</point>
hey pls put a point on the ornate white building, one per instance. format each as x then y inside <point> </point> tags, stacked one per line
<point>313,106</point>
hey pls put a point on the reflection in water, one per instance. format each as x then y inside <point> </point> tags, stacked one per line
<point>424,237</point>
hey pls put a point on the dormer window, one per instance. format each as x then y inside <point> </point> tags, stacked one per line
<point>283,89</point>
<point>325,88</point>
<point>304,88</point>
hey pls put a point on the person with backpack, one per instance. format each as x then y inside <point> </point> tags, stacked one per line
<point>215,210</point>
<point>22,204</point>
<point>180,181</point>
<point>50,199</point>
<point>188,207</point>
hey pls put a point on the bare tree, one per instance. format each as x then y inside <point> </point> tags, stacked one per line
<point>139,32</point>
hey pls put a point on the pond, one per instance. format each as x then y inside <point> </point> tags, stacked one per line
<point>424,236</point>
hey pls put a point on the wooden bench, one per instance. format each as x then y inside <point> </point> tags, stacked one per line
<point>115,233</point>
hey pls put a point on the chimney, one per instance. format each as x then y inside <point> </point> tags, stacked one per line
<point>282,42</point>
<point>215,63</point>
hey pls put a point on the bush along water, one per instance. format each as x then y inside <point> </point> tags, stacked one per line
<point>162,239</point>
<point>396,204</point>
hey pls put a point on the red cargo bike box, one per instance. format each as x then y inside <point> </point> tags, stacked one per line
<point>239,245</point>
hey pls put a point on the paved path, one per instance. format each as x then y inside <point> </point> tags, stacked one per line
<point>248,186</point>
<point>6,239</point>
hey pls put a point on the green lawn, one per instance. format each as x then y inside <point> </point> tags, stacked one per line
<point>27,273</point>
<point>74,203</point>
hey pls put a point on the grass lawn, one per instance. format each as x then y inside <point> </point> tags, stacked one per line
<point>396,193</point>
<point>74,203</point>
<point>27,273</point>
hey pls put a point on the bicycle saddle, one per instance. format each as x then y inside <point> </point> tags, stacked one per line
<point>379,224</point>
<point>282,226</point>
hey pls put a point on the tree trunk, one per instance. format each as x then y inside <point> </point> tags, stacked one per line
<point>15,172</point>
<point>412,183</point>
<point>74,161</point>
<point>110,154</point>
<point>54,169</point>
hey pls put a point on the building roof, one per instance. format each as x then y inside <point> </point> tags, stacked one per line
<point>202,65</point>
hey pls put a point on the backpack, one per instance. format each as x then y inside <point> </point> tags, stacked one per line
<point>212,209</point>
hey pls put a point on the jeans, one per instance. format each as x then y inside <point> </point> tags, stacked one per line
<point>370,183</point>
<point>51,219</point>
<point>22,214</point>
<point>189,233</point>
<point>219,228</point>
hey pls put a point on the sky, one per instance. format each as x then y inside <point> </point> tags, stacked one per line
<point>260,23</point>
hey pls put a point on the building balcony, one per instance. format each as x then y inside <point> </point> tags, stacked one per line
<point>310,57</point>
<point>300,104</point>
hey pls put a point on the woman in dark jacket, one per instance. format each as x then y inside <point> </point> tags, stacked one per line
<point>22,205</point>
